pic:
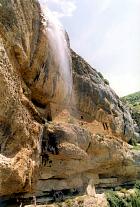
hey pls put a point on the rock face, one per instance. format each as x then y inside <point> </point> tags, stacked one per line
<point>97,101</point>
<point>133,101</point>
<point>72,157</point>
<point>136,117</point>
<point>37,155</point>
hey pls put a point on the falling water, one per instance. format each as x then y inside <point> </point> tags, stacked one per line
<point>60,54</point>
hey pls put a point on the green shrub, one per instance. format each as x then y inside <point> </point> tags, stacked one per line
<point>123,190</point>
<point>136,147</point>
<point>114,200</point>
<point>129,200</point>
<point>100,74</point>
<point>135,199</point>
<point>137,184</point>
<point>102,77</point>
<point>106,81</point>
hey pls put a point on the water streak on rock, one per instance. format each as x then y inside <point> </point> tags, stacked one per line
<point>60,52</point>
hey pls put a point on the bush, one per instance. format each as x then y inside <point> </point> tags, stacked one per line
<point>114,200</point>
<point>123,190</point>
<point>135,199</point>
<point>129,200</point>
<point>106,81</point>
<point>101,76</point>
<point>137,184</point>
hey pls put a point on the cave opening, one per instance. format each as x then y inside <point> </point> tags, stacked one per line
<point>105,176</point>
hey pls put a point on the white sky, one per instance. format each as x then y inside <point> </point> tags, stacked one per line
<point>107,34</point>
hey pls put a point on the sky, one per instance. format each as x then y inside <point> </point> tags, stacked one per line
<point>106,33</point>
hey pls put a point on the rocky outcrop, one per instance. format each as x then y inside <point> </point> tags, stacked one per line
<point>97,101</point>
<point>37,153</point>
<point>72,157</point>
<point>19,131</point>
<point>136,117</point>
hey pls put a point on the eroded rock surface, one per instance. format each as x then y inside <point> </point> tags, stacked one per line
<point>72,157</point>
<point>97,101</point>
<point>36,155</point>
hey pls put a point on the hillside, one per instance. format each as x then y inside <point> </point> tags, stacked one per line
<point>133,100</point>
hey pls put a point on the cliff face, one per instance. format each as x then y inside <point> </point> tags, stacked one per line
<point>98,101</point>
<point>133,101</point>
<point>51,138</point>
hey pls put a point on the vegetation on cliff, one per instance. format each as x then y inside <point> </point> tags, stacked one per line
<point>133,100</point>
<point>124,198</point>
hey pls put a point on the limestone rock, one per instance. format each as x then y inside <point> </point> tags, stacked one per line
<point>91,188</point>
<point>97,101</point>
<point>37,156</point>
<point>72,157</point>
<point>136,117</point>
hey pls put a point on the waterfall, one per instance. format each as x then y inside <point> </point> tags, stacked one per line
<point>59,54</point>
